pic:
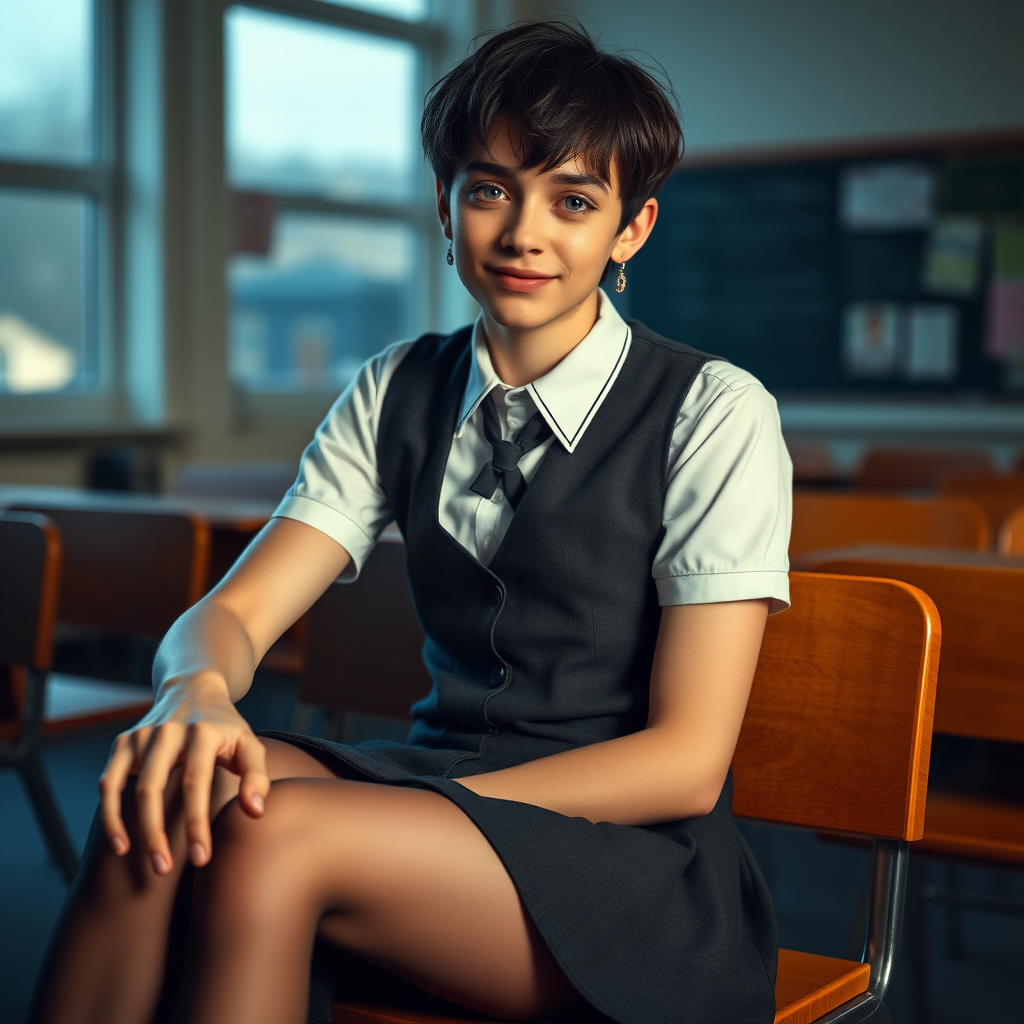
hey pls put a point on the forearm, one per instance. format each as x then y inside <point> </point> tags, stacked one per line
<point>657,774</point>
<point>207,643</point>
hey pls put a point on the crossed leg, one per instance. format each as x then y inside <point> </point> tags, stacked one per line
<point>400,876</point>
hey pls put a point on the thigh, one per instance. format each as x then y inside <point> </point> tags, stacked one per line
<point>284,761</point>
<point>402,877</point>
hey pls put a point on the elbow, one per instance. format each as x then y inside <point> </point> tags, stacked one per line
<point>704,796</point>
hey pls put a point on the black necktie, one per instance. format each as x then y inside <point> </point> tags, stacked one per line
<point>503,469</point>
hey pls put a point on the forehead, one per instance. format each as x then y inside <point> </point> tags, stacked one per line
<point>514,151</point>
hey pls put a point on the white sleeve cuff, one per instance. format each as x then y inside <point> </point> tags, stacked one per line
<point>715,587</point>
<point>335,524</point>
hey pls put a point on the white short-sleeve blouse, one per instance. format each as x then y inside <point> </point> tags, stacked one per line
<point>729,496</point>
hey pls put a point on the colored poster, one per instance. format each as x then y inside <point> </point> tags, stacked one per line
<point>1005,334</point>
<point>952,261</point>
<point>871,339</point>
<point>1005,319</point>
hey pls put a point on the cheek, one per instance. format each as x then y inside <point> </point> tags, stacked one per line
<point>586,251</point>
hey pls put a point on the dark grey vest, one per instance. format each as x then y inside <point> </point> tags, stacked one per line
<point>550,647</point>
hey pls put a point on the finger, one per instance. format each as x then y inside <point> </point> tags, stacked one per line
<point>204,742</point>
<point>112,783</point>
<point>163,753</point>
<point>251,765</point>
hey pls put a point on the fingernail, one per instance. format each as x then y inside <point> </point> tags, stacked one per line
<point>198,852</point>
<point>120,846</point>
<point>160,864</point>
<point>257,802</point>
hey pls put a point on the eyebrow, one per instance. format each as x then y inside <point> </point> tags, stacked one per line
<point>560,178</point>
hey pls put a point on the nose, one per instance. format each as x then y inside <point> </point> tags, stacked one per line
<point>524,229</point>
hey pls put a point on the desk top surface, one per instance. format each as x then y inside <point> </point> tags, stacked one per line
<point>907,553</point>
<point>230,513</point>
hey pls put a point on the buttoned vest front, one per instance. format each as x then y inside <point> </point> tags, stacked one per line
<point>550,647</point>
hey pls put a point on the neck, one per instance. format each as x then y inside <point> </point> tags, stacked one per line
<point>521,355</point>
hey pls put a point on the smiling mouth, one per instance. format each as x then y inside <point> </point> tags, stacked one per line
<point>517,280</point>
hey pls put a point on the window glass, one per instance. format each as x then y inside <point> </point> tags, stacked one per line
<point>46,80</point>
<point>408,10</point>
<point>330,292</point>
<point>44,323</point>
<point>317,109</point>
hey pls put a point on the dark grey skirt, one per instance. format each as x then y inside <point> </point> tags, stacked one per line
<point>660,924</point>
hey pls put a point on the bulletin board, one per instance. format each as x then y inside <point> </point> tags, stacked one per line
<point>872,269</point>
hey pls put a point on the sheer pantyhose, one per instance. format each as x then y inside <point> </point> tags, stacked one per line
<point>400,876</point>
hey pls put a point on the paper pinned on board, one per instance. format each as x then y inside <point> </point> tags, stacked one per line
<point>952,262</point>
<point>1005,334</point>
<point>1005,338</point>
<point>871,339</point>
<point>889,196</point>
<point>932,343</point>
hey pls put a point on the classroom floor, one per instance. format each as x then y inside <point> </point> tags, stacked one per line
<point>815,886</point>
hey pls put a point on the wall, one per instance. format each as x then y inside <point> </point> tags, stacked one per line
<point>753,75</point>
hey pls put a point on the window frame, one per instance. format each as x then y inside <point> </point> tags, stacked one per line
<point>417,211</point>
<point>98,181</point>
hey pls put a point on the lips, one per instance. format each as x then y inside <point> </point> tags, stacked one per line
<point>516,279</point>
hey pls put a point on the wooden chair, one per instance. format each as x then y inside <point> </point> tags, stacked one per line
<point>999,496</point>
<point>823,521</point>
<point>1011,535</point>
<point>836,737</point>
<point>980,695</point>
<point>124,573</point>
<point>909,469</point>
<point>30,555</point>
<point>363,642</point>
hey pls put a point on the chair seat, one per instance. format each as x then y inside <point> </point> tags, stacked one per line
<point>76,702</point>
<point>974,826</point>
<point>807,987</point>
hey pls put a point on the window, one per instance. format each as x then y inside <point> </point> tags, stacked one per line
<point>329,193</point>
<point>55,191</point>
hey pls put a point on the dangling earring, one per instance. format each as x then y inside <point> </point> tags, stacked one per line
<point>620,280</point>
<point>451,259</point>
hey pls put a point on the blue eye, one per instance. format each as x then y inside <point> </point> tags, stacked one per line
<point>576,204</point>
<point>491,193</point>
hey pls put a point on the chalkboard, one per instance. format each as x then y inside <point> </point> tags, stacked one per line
<point>753,260</point>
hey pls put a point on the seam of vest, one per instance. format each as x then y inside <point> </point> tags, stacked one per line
<point>643,333</point>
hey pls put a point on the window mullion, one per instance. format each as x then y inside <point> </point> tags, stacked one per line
<point>420,33</point>
<point>415,213</point>
<point>95,180</point>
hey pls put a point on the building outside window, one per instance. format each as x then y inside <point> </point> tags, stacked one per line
<point>331,203</point>
<point>56,193</point>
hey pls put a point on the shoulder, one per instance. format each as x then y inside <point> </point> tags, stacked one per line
<point>721,390</point>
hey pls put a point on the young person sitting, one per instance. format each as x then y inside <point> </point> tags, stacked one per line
<point>596,521</point>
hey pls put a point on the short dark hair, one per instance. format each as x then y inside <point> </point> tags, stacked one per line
<point>564,99</point>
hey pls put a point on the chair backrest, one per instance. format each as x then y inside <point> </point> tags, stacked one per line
<point>837,732</point>
<point>30,554</point>
<point>128,572</point>
<point>902,469</point>
<point>999,496</point>
<point>981,677</point>
<point>363,647</point>
<point>822,521</point>
<point>1011,534</point>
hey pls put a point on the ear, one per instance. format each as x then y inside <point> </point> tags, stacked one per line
<point>635,233</point>
<point>444,211</point>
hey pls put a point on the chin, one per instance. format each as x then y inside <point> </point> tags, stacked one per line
<point>525,312</point>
